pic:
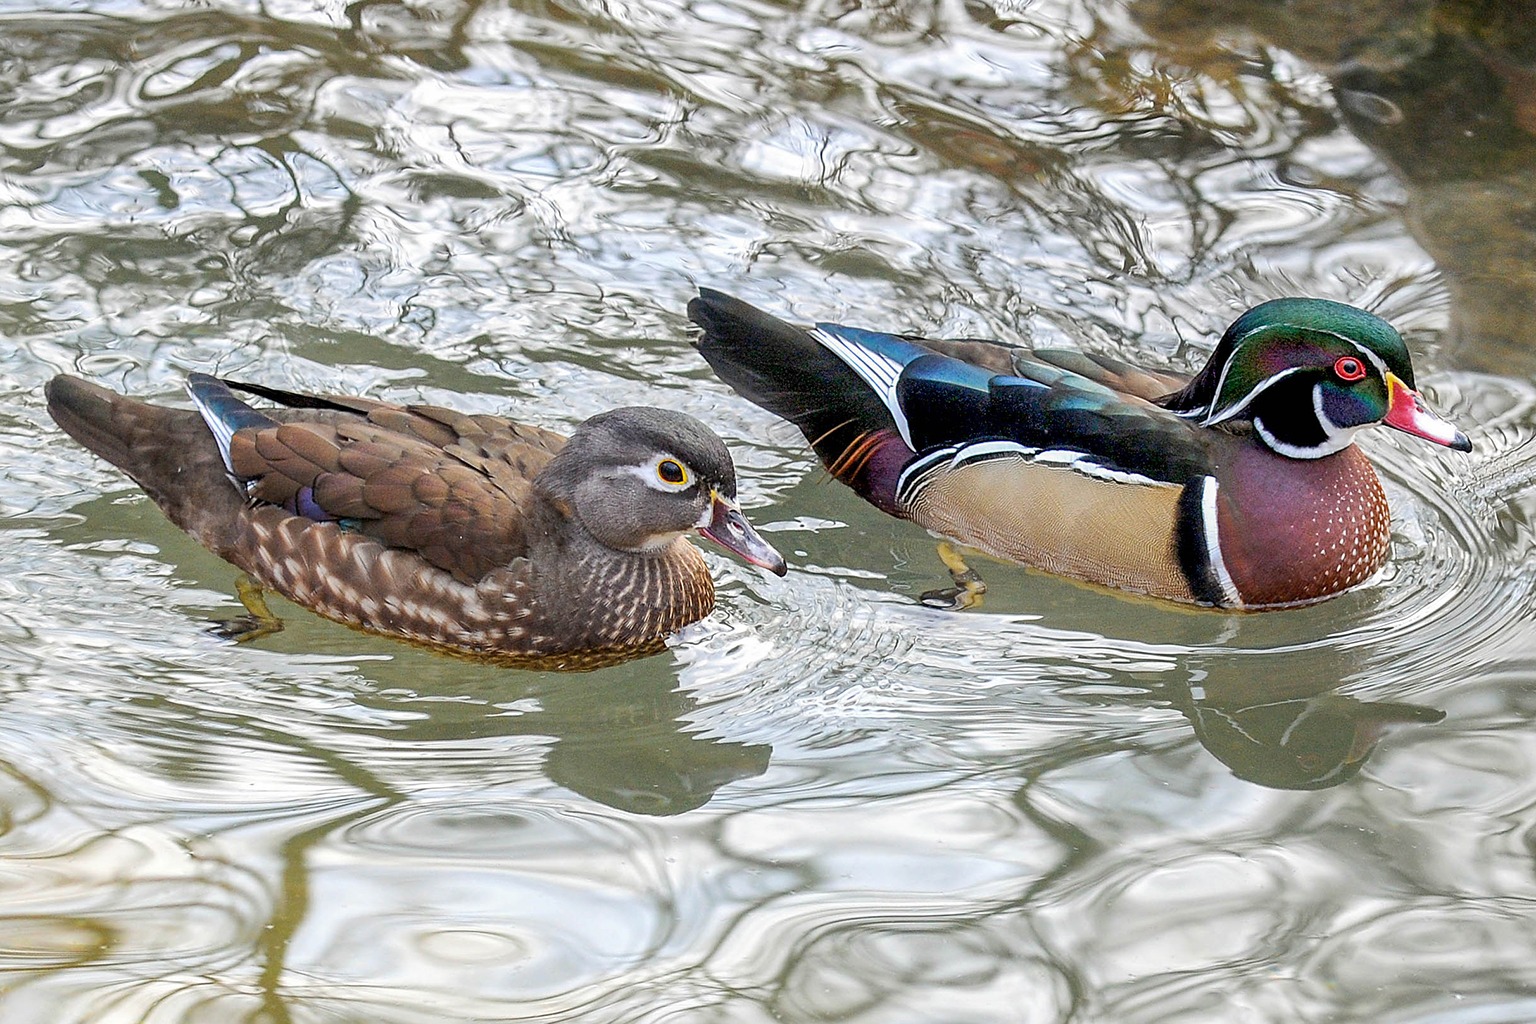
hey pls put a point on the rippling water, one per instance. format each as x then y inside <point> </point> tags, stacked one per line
<point>826,802</point>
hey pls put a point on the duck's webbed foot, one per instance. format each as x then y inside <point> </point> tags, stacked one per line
<point>257,623</point>
<point>969,586</point>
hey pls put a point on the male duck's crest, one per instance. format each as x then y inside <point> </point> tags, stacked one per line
<point>1310,374</point>
<point>1237,488</point>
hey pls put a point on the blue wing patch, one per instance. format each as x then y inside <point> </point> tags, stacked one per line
<point>894,347</point>
<point>223,412</point>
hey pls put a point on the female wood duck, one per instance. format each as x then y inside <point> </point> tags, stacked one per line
<point>1239,488</point>
<point>465,532</point>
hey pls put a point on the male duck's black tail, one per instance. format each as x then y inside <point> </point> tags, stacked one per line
<point>783,369</point>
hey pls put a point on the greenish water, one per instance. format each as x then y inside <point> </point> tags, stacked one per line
<point>826,802</point>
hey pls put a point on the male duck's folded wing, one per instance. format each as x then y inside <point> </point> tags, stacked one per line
<point>1049,409</point>
<point>1115,374</point>
<point>848,388</point>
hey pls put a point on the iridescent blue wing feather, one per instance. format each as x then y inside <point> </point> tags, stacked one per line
<point>944,400</point>
<point>947,400</point>
<point>1120,433</point>
<point>1048,407</point>
<point>224,414</point>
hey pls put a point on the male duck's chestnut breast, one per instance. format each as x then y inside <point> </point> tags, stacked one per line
<point>1297,531</point>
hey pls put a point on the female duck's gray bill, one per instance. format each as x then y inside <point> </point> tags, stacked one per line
<point>730,529</point>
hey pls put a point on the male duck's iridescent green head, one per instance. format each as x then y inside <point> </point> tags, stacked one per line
<point>1309,374</point>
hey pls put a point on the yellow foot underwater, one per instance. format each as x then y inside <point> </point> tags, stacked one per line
<point>969,586</point>
<point>259,621</point>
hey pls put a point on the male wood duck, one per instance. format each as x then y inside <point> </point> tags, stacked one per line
<point>1238,488</point>
<point>465,532</point>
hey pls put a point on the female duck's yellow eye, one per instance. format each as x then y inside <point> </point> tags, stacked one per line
<point>671,471</point>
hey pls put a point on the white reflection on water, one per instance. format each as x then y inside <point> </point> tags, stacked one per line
<point>826,802</point>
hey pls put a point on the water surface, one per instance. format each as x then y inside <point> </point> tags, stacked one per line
<point>826,802</point>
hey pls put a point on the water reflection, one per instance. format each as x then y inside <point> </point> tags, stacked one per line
<point>1288,732</point>
<point>995,816</point>
<point>621,738</point>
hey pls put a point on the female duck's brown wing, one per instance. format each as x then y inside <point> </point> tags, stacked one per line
<point>455,488</point>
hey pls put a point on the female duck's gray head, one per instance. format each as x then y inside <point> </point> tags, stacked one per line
<point>1309,374</point>
<point>637,478</point>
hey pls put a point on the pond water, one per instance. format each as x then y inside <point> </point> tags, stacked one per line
<point>826,802</point>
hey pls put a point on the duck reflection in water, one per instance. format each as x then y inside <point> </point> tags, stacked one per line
<point>622,738</point>
<point>632,749</point>
<point>1294,732</point>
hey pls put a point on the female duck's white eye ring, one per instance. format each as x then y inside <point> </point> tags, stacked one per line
<point>1348,368</point>
<point>670,471</point>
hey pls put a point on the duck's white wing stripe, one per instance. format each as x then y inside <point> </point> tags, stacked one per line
<point>222,431</point>
<point>978,450</point>
<point>956,456</point>
<point>880,372</point>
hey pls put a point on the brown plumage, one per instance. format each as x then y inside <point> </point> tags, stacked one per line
<point>465,532</point>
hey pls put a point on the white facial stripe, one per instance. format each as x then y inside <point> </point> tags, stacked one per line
<point>1279,446</point>
<point>1366,352</point>
<point>647,473</point>
<point>1329,427</point>
<point>1375,360</point>
<point>1338,438</point>
<point>1221,379</point>
<point>1211,526</point>
<point>1371,357</point>
<point>1211,420</point>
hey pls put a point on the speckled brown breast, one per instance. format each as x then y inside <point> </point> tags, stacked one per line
<point>574,608</point>
<point>1296,531</point>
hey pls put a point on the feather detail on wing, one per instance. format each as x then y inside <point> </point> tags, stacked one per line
<point>1049,412</point>
<point>878,359</point>
<point>452,487</point>
<point>950,402</point>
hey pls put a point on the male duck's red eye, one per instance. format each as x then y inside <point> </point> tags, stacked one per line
<point>1348,368</point>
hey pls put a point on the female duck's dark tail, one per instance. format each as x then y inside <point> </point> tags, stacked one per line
<point>168,452</point>
<point>129,434</point>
